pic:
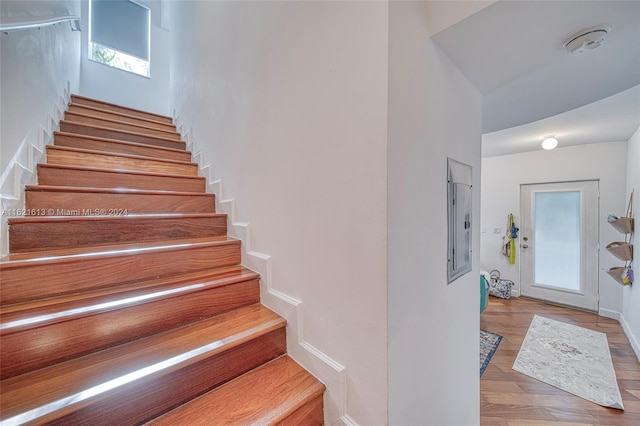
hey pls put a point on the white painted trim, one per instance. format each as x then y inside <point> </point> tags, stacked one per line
<point>322,366</point>
<point>632,339</point>
<point>348,421</point>
<point>21,169</point>
<point>608,313</point>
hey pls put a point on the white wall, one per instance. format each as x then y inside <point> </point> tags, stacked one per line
<point>39,68</point>
<point>37,64</point>
<point>501,180</point>
<point>288,101</point>
<point>434,113</point>
<point>631,294</point>
<point>122,87</point>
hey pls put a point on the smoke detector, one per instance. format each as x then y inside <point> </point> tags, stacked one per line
<point>586,40</point>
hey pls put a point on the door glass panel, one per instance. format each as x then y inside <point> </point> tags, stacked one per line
<point>557,240</point>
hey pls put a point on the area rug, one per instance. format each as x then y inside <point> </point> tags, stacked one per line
<point>571,358</point>
<point>488,344</point>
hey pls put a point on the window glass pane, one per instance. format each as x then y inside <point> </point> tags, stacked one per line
<point>557,239</point>
<point>118,59</point>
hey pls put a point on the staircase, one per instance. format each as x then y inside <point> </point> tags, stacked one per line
<point>123,301</point>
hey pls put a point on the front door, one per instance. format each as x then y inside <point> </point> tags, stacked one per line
<point>559,243</point>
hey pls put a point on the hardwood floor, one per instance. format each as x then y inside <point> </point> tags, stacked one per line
<point>511,398</point>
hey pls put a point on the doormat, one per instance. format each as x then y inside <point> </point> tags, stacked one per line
<point>488,344</point>
<point>574,359</point>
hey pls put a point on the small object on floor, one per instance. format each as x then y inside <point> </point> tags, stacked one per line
<point>499,287</point>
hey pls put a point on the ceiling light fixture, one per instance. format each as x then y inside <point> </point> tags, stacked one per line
<point>586,40</point>
<point>549,142</point>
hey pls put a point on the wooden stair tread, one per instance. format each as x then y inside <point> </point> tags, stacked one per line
<point>117,171</point>
<point>44,200</point>
<point>66,272</point>
<point>43,233</point>
<point>47,219</point>
<point>119,155</point>
<point>70,385</point>
<point>266,395</point>
<point>72,176</point>
<point>89,110</point>
<point>78,117</point>
<point>75,140</point>
<point>118,134</point>
<point>126,132</point>
<point>42,307</point>
<point>112,160</point>
<point>159,117</point>
<point>79,189</point>
<point>92,321</point>
<point>56,256</point>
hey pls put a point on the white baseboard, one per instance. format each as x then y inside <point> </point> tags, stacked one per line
<point>608,313</point>
<point>635,344</point>
<point>326,369</point>
<point>21,169</point>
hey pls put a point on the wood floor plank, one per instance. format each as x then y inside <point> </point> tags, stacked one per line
<point>511,398</point>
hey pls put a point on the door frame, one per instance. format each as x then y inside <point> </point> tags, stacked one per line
<point>588,297</point>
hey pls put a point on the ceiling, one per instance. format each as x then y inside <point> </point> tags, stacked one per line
<point>511,51</point>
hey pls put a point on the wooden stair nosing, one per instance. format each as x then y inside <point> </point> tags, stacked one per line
<point>94,323</point>
<point>163,371</point>
<point>84,100</point>
<point>110,133</point>
<point>43,233</point>
<point>67,156</point>
<point>150,181</point>
<point>74,140</point>
<point>64,272</point>
<point>118,154</point>
<point>275,392</point>
<point>98,112</point>
<point>120,125</point>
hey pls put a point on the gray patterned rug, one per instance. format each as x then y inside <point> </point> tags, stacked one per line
<point>488,344</point>
<point>572,358</point>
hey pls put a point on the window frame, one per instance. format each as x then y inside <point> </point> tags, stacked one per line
<point>116,58</point>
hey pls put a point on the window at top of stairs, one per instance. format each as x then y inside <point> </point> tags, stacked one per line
<point>119,35</point>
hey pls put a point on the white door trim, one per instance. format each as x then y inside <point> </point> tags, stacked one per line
<point>588,295</point>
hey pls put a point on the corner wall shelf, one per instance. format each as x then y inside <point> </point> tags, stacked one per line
<point>623,250</point>
<point>623,225</point>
